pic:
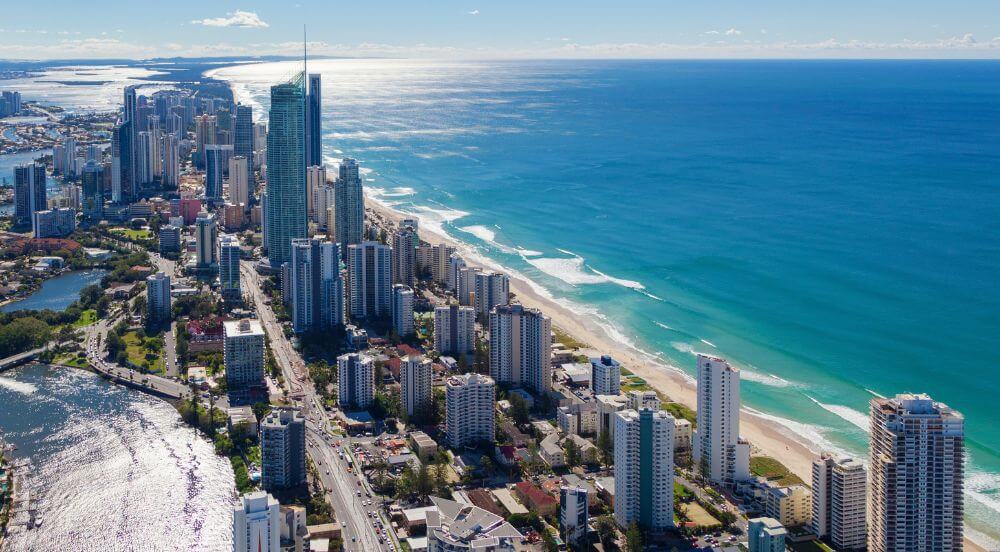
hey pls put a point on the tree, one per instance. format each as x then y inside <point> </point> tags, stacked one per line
<point>633,538</point>
<point>518,409</point>
<point>606,530</point>
<point>487,466</point>
<point>441,479</point>
<point>606,447</point>
<point>549,541</point>
<point>572,451</point>
<point>23,334</point>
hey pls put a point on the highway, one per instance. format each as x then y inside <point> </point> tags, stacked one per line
<point>358,529</point>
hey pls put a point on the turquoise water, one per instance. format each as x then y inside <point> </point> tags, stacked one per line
<point>833,228</point>
<point>57,293</point>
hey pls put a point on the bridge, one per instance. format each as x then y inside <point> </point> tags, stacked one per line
<point>21,358</point>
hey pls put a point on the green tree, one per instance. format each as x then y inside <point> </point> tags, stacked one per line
<point>633,538</point>
<point>572,451</point>
<point>606,447</point>
<point>518,409</point>
<point>23,334</point>
<point>606,530</point>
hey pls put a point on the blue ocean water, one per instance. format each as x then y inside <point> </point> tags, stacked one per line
<point>831,227</point>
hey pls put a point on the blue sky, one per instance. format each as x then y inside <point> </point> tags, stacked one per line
<point>508,28</point>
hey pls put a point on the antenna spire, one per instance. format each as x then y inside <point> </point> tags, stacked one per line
<point>305,55</point>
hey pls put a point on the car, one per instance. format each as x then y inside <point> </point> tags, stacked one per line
<point>359,493</point>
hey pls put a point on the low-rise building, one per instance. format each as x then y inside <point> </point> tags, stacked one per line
<point>423,445</point>
<point>765,535</point>
<point>551,451</point>
<point>578,418</point>
<point>535,499</point>
<point>791,505</point>
<point>456,527</point>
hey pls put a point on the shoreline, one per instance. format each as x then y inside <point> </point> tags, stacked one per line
<point>767,438</point>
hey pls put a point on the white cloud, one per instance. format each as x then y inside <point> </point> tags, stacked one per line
<point>474,12</point>
<point>711,32</point>
<point>238,18</point>
<point>763,31</point>
<point>733,32</point>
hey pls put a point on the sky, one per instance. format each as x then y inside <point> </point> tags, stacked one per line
<point>140,29</point>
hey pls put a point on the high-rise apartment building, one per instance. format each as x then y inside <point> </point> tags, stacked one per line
<point>171,173</point>
<point>29,192</point>
<point>644,469</point>
<point>239,182</point>
<point>206,132</point>
<point>454,330</point>
<point>53,223</point>
<point>415,375</point>
<point>356,380</point>
<point>455,265</point>
<point>470,400</point>
<point>170,239</point>
<point>916,475</point>
<point>492,289</point>
<point>606,376</point>
<point>243,141</point>
<point>402,310</point>
<point>229,268</point>
<point>719,452</point>
<point>158,297</point>
<point>839,488</point>
<point>286,170</point>
<point>317,290</point>
<point>315,180</point>
<point>283,449</point>
<point>256,523</point>
<point>243,354</point>
<point>521,347</point>
<point>404,253</point>
<point>217,158</point>
<point>314,115</point>
<point>369,280</point>
<point>573,516</point>
<point>349,205</point>
<point>435,259</point>
<point>206,237</point>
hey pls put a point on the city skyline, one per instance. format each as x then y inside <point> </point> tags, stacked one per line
<point>631,29</point>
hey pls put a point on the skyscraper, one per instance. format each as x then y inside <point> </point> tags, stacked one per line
<point>838,501</point>
<point>229,268</point>
<point>470,400</point>
<point>243,141</point>
<point>93,192</point>
<point>206,133</point>
<point>256,523</point>
<point>314,114</point>
<point>283,449</point>
<point>644,469</point>
<point>286,170</point>
<point>415,375</point>
<point>349,205</point>
<point>356,380</point>
<point>492,289</point>
<point>143,160</point>
<point>158,297</point>
<point>243,355</point>
<point>573,516</point>
<point>916,475</point>
<point>402,310</point>
<point>521,347</point>
<point>122,159</point>
<point>171,175</point>
<point>29,192</point>
<point>206,239</point>
<point>722,456</point>
<point>454,330</point>
<point>216,166</point>
<point>315,179</point>
<point>404,243</point>
<point>605,375</point>
<point>369,278</point>
<point>239,182</point>
<point>317,290</point>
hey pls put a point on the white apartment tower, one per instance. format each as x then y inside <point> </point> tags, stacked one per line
<point>356,380</point>
<point>415,375</point>
<point>283,449</point>
<point>206,237</point>
<point>839,488</point>
<point>256,523</point>
<point>722,456</point>
<point>606,376</point>
<point>316,290</point>
<point>470,400</point>
<point>915,477</point>
<point>454,329</point>
<point>158,297</point>
<point>239,177</point>
<point>315,180</point>
<point>404,253</point>
<point>243,354</point>
<point>369,279</point>
<point>521,347</point>
<point>644,469</point>
<point>402,310</point>
<point>455,265</point>
<point>573,516</point>
<point>492,289</point>
<point>349,205</point>
<point>229,268</point>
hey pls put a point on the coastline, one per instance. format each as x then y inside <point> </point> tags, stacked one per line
<point>767,438</point>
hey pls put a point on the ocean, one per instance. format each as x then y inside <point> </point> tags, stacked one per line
<point>111,468</point>
<point>830,227</point>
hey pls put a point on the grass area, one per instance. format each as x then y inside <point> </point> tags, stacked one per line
<point>680,491</point>
<point>810,546</point>
<point>142,355</point>
<point>700,516</point>
<point>567,340</point>
<point>131,234</point>
<point>76,360</point>
<point>773,470</point>
<point>87,318</point>
<point>678,410</point>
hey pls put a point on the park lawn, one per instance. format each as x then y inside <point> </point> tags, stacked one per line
<point>133,234</point>
<point>76,360</point>
<point>87,318</point>
<point>137,354</point>
<point>567,340</point>
<point>680,491</point>
<point>700,516</point>
<point>810,546</point>
<point>772,470</point>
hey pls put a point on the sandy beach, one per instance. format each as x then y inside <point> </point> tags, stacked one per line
<point>767,438</point>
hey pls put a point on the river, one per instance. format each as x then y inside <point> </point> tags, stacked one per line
<point>57,293</point>
<point>112,469</point>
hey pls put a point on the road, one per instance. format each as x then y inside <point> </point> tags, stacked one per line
<point>170,351</point>
<point>359,531</point>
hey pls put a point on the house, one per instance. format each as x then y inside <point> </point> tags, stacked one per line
<point>535,499</point>
<point>510,456</point>
<point>543,428</point>
<point>242,414</point>
<point>588,452</point>
<point>517,437</point>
